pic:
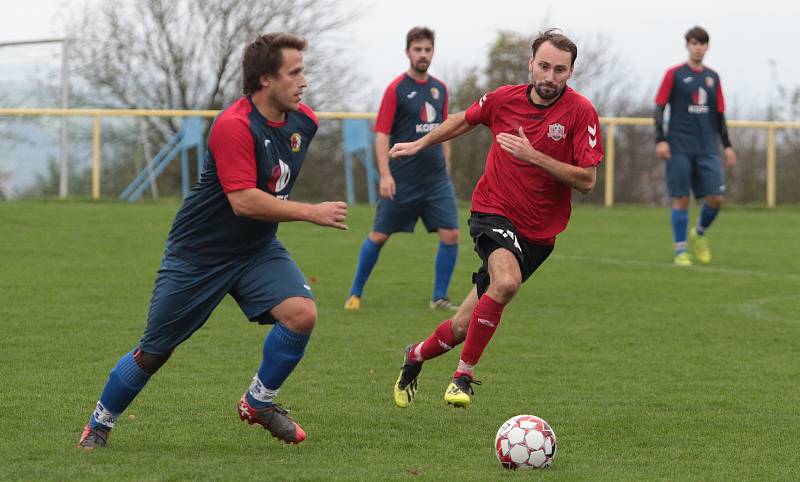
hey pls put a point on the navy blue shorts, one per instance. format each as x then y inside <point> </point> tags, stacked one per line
<point>434,202</point>
<point>702,173</point>
<point>185,294</point>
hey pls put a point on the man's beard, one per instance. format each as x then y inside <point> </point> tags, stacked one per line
<point>422,67</point>
<point>555,92</point>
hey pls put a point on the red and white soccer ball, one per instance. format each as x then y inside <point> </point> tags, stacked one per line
<point>525,442</point>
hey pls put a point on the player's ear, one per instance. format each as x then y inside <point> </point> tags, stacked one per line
<point>264,80</point>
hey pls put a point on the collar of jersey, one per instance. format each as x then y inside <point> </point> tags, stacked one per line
<point>268,122</point>
<point>418,82</point>
<point>541,106</point>
<point>696,71</point>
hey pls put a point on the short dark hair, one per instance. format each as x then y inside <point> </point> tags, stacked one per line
<point>560,41</point>
<point>697,33</point>
<point>420,33</point>
<point>263,56</point>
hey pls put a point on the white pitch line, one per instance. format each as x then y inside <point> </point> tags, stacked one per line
<point>699,269</point>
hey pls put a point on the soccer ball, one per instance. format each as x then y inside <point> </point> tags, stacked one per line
<point>525,442</point>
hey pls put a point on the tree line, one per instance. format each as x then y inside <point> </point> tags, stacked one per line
<point>182,54</point>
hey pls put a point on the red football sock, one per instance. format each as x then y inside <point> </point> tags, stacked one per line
<point>482,325</point>
<point>441,341</point>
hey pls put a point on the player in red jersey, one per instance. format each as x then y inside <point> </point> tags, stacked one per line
<point>547,142</point>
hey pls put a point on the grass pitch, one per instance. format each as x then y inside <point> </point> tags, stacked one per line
<point>645,371</point>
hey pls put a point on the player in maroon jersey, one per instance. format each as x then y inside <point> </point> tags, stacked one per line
<point>547,142</point>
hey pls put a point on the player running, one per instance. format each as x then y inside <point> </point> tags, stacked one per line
<point>223,242</point>
<point>691,146</point>
<point>418,186</point>
<point>547,142</point>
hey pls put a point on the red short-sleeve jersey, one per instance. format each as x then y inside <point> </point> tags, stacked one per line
<point>567,130</point>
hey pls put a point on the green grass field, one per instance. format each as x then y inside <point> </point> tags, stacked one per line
<point>645,371</point>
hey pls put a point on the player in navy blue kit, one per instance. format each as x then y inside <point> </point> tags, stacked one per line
<point>691,146</point>
<point>414,104</point>
<point>223,241</point>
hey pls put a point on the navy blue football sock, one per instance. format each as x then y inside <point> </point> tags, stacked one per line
<point>283,350</point>
<point>707,215</point>
<point>124,383</point>
<point>366,261</point>
<point>445,263</point>
<point>680,221</point>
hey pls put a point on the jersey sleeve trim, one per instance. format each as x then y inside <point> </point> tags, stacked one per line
<point>587,137</point>
<point>388,108</point>
<point>308,113</point>
<point>232,146</point>
<point>665,90</point>
<point>720,97</point>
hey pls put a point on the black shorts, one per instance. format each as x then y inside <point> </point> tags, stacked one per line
<point>490,232</point>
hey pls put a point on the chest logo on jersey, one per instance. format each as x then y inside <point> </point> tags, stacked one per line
<point>435,93</point>
<point>556,132</point>
<point>279,179</point>
<point>295,141</point>
<point>699,102</point>
<point>427,114</point>
<point>411,95</point>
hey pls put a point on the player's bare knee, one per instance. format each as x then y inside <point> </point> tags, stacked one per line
<point>680,203</point>
<point>504,287</point>
<point>302,319</point>
<point>378,238</point>
<point>151,362</point>
<point>449,236</point>
<point>714,202</point>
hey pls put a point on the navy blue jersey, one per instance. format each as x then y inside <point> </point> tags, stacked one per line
<point>409,110</point>
<point>696,102</point>
<point>245,151</point>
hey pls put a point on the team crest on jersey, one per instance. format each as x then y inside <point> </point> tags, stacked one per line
<point>435,93</point>
<point>427,113</point>
<point>556,132</point>
<point>710,82</point>
<point>279,179</point>
<point>295,141</point>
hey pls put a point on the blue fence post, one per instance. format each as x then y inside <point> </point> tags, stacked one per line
<point>358,141</point>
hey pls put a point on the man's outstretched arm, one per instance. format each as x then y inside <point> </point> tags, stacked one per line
<point>257,204</point>
<point>452,127</point>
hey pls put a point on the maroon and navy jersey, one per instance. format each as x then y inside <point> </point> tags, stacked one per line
<point>409,110</point>
<point>244,151</point>
<point>695,102</point>
<point>567,130</point>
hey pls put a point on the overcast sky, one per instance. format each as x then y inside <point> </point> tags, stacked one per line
<point>750,41</point>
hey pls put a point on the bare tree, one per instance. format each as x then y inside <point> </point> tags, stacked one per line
<point>186,54</point>
<point>183,54</point>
